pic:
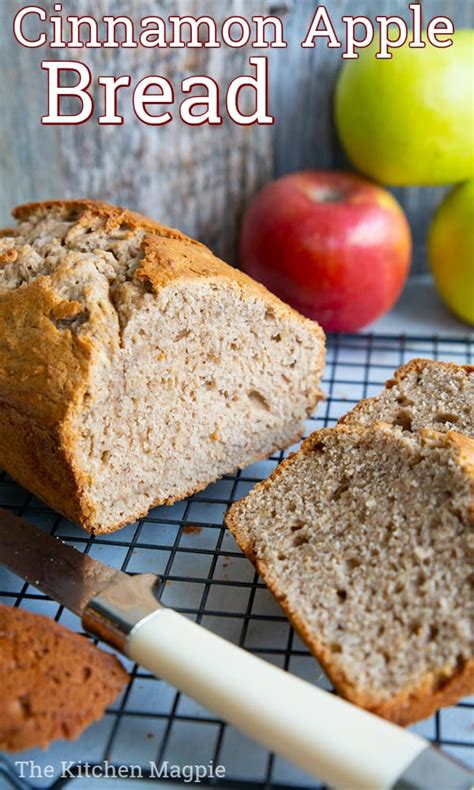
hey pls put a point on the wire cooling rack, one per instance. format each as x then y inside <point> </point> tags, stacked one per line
<point>206,577</point>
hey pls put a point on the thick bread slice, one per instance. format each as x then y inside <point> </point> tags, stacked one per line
<point>135,367</point>
<point>422,394</point>
<point>364,536</point>
<point>54,682</point>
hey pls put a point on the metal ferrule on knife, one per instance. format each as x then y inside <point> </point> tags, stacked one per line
<point>120,607</point>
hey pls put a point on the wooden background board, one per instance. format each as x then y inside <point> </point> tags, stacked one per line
<point>197,178</point>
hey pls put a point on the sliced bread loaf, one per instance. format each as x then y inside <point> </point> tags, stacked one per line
<point>135,367</point>
<point>54,682</point>
<point>364,536</point>
<point>423,394</point>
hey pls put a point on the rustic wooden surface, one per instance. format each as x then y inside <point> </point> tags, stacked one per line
<point>199,179</point>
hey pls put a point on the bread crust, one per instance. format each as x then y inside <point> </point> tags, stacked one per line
<point>46,370</point>
<point>38,459</point>
<point>169,253</point>
<point>40,702</point>
<point>435,689</point>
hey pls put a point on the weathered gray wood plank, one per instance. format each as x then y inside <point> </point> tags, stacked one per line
<point>200,178</point>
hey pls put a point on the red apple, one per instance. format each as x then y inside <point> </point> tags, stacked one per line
<point>333,245</point>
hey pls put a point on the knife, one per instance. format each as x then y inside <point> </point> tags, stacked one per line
<point>322,734</point>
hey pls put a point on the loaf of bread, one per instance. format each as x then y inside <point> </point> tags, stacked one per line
<point>135,367</point>
<point>364,536</point>
<point>422,394</point>
<point>54,682</point>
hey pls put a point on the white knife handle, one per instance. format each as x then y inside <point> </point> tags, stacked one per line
<point>317,731</point>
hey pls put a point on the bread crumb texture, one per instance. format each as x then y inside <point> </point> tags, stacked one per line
<point>54,682</point>
<point>136,367</point>
<point>365,537</point>
<point>423,394</point>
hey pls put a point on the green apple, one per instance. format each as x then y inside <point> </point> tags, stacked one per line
<point>408,120</point>
<point>451,250</point>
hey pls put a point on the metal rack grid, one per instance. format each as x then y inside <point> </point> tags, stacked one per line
<point>206,577</point>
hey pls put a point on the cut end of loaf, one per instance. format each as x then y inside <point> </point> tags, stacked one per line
<point>364,536</point>
<point>155,367</point>
<point>204,395</point>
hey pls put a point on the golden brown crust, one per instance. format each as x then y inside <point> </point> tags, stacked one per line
<point>44,375</point>
<point>85,209</point>
<point>8,256</point>
<point>45,367</point>
<point>54,682</point>
<point>168,253</point>
<point>435,689</point>
<point>463,445</point>
<point>43,370</point>
<point>37,458</point>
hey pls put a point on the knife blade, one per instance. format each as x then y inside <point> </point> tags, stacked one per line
<point>322,734</point>
<point>58,570</point>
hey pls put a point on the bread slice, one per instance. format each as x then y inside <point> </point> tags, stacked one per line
<point>364,536</point>
<point>422,394</point>
<point>135,367</point>
<point>54,682</point>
